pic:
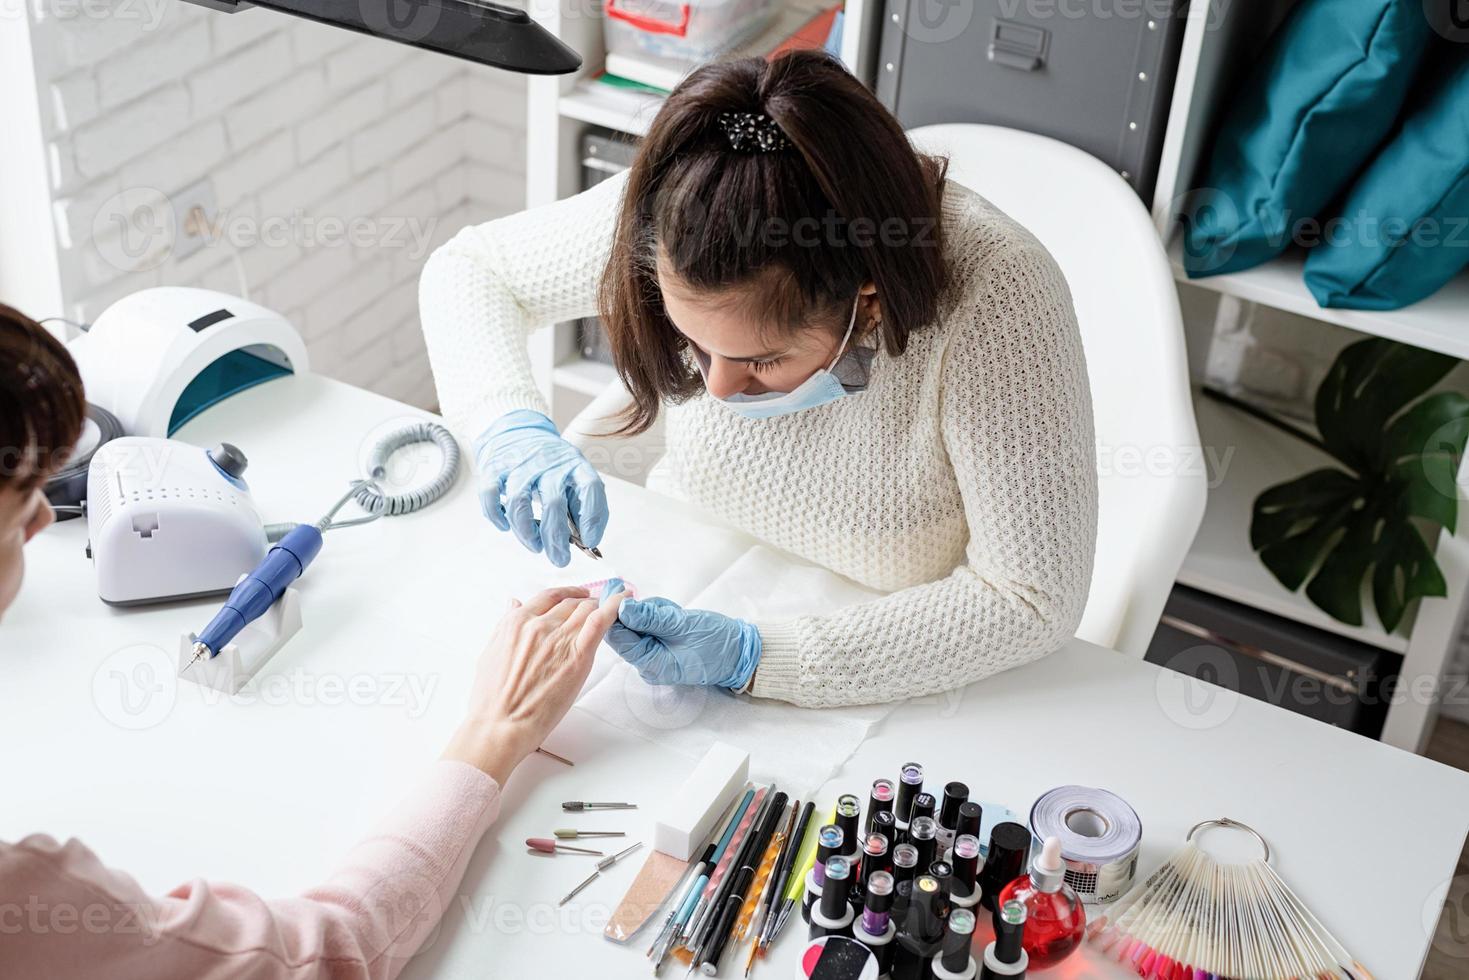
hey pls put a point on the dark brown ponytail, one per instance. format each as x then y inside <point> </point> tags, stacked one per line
<point>847,201</point>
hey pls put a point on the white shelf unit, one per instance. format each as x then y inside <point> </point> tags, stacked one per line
<point>1222,38</point>
<point>1440,322</point>
<point>1219,38</point>
<point>1247,456</point>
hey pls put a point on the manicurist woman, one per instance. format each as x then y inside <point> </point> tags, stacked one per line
<point>859,361</point>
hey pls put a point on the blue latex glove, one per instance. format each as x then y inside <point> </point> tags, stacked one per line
<point>669,644</point>
<point>521,459</point>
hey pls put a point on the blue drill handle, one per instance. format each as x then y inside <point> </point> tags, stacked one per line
<point>259,590</point>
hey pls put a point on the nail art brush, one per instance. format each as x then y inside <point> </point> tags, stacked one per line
<point>714,910</point>
<point>724,874</point>
<point>794,841</point>
<point>765,883</point>
<point>721,862</point>
<point>724,924</point>
<point>698,877</point>
<point>770,885</point>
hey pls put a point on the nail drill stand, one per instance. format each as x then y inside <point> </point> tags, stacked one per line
<point>233,667</point>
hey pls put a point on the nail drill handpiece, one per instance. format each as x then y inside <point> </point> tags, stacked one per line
<point>259,590</point>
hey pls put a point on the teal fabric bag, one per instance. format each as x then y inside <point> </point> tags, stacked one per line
<point>1307,119</point>
<point>1404,227</point>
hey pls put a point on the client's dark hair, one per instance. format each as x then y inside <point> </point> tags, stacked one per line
<point>786,180</point>
<point>41,402</point>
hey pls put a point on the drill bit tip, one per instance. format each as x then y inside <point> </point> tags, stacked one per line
<point>200,652</point>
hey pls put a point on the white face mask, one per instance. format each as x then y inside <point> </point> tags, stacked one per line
<point>817,390</point>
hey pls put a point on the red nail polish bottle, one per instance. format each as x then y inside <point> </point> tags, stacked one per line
<point>1054,916</point>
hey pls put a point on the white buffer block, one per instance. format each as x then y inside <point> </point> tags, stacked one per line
<point>701,800</point>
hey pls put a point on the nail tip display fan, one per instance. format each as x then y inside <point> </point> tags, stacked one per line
<point>1196,918</point>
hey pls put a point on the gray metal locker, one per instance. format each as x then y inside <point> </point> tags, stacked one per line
<point>1094,73</point>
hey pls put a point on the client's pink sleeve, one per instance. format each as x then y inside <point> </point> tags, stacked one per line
<point>64,915</point>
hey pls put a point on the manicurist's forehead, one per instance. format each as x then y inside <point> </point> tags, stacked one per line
<point>721,324</point>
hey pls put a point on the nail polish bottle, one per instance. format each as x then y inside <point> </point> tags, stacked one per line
<point>923,834</point>
<point>833,915</point>
<point>924,805</point>
<point>1005,959</point>
<point>955,795</point>
<point>910,784</point>
<point>883,822</point>
<point>849,818</point>
<point>876,856</point>
<point>876,929</point>
<point>829,844</point>
<point>922,931</point>
<point>1054,916</point>
<point>1009,847</point>
<point>943,873</point>
<point>971,816</point>
<point>905,869</point>
<point>964,886</point>
<point>954,961</point>
<point>880,800</point>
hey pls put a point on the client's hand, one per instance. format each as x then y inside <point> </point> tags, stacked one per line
<point>669,644</point>
<point>528,677</point>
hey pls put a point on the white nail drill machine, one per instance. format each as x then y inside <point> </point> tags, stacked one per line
<point>169,520</point>
<point>165,519</point>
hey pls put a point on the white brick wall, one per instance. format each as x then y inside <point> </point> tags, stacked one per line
<point>334,162</point>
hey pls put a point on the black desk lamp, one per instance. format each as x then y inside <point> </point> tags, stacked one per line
<point>482,32</point>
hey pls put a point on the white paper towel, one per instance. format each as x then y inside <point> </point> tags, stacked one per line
<point>797,748</point>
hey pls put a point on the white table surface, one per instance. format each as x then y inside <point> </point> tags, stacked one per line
<point>268,788</point>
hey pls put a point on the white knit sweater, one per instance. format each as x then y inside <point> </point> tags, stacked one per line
<point>962,480</point>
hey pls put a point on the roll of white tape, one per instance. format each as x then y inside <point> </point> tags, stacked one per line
<point>1099,833</point>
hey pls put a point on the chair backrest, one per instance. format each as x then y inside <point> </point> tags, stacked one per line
<point>1152,482</point>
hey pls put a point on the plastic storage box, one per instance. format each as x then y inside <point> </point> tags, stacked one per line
<point>691,32</point>
<point>1100,79</point>
<point>1309,671</point>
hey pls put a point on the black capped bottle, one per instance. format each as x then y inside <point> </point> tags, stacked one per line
<point>922,930</point>
<point>876,929</point>
<point>954,960</point>
<point>832,915</point>
<point>1005,959</point>
<point>829,844</point>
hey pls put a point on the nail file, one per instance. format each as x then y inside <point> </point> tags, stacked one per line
<point>645,895</point>
<point>594,588</point>
<point>688,820</point>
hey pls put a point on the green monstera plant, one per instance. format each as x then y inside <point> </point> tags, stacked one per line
<point>1399,450</point>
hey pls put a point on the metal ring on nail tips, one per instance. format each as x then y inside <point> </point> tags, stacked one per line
<point>1229,822</point>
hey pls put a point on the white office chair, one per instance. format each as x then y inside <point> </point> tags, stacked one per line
<point>1151,472</point>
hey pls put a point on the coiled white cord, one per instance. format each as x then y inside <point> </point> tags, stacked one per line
<point>369,495</point>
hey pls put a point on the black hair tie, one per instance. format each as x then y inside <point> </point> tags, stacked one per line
<point>752,132</point>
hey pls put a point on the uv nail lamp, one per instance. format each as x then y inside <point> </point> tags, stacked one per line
<point>158,357</point>
<point>167,520</point>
